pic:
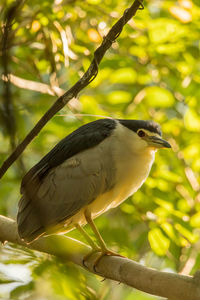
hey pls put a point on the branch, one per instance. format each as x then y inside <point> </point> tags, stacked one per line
<point>89,75</point>
<point>7,107</point>
<point>35,86</point>
<point>163,284</point>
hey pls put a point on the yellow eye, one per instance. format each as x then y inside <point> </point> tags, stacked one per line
<point>141,133</point>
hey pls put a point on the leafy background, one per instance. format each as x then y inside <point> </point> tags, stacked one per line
<point>151,72</point>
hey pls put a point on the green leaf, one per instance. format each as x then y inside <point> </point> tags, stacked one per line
<point>190,236</point>
<point>22,290</point>
<point>192,120</point>
<point>195,220</point>
<point>117,97</point>
<point>158,97</point>
<point>123,75</point>
<point>172,234</point>
<point>158,242</point>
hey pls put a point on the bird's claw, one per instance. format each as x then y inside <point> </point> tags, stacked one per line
<point>106,252</point>
<point>103,253</point>
<point>87,256</point>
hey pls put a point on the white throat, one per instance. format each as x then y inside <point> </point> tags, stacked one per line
<point>133,159</point>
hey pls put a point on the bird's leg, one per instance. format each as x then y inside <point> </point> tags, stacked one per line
<point>104,249</point>
<point>94,246</point>
<point>87,237</point>
<point>88,218</point>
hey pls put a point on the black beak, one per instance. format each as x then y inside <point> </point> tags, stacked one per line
<point>157,142</point>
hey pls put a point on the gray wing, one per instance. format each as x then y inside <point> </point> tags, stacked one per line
<point>85,137</point>
<point>65,190</point>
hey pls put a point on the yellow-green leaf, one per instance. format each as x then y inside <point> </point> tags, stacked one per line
<point>158,242</point>
<point>158,97</point>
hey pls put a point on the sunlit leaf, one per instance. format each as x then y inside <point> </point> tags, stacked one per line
<point>123,75</point>
<point>93,35</point>
<point>22,290</point>
<point>158,242</point>
<point>192,120</point>
<point>158,97</point>
<point>165,204</point>
<point>35,26</point>
<point>181,14</point>
<point>195,220</point>
<point>151,72</point>
<point>172,234</point>
<point>190,236</point>
<point>117,97</point>
<point>163,30</point>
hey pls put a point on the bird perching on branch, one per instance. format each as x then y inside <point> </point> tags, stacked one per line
<point>93,169</point>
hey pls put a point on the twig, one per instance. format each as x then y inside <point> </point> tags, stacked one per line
<point>7,113</point>
<point>7,109</point>
<point>164,284</point>
<point>89,75</point>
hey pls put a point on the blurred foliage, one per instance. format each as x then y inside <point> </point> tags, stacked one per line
<point>151,72</point>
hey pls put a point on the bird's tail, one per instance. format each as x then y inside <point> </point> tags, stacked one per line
<point>29,223</point>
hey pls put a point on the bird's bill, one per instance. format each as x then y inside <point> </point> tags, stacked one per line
<point>157,142</point>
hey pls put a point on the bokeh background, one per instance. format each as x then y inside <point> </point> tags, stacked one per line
<point>152,71</point>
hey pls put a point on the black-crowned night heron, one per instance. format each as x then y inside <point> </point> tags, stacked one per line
<point>93,169</point>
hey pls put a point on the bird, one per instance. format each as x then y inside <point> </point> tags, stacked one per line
<point>91,170</point>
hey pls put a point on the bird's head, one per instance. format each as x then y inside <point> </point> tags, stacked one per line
<point>147,134</point>
<point>152,139</point>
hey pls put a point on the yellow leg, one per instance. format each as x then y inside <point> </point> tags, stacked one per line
<point>104,250</point>
<point>88,218</point>
<point>94,246</point>
<point>87,237</point>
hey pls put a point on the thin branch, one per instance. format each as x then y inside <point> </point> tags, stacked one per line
<point>31,85</point>
<point>7,108</point>
<point>40,87</point>
<point>89,75</point>
<point>164,284</point>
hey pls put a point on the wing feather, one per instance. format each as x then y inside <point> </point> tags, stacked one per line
<point>73,185</point>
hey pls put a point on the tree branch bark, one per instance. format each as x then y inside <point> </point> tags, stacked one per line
<point>89,75</point>
<point>7,107</point>
<point>164,284</point>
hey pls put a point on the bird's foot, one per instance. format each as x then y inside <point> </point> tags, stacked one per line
<point>103,252</point>
<point>87,256</point>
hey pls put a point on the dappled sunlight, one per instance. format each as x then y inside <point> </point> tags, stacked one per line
<point>151,72</point>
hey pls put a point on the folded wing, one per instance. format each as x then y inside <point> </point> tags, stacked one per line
<point>52,195</point>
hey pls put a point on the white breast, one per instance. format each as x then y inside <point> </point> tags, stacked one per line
<point>133,161</point>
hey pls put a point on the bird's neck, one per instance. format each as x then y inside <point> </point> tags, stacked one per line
<point>133,160</point>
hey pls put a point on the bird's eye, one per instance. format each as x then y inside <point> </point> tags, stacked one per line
<point>141,133</point>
